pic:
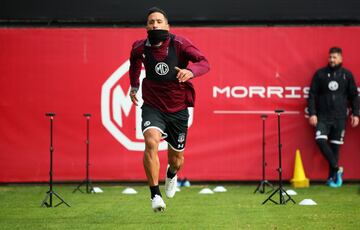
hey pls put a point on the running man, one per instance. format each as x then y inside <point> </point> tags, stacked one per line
<point>167,92</point>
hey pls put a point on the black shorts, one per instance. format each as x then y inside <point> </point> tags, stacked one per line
<point>173,126</point>
<point>332,130</point>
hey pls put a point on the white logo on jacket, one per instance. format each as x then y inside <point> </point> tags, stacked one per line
<point>333,85</point>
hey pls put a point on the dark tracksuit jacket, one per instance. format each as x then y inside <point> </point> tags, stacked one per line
<point>332,91</point>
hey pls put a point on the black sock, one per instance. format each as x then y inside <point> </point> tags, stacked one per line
<point>334,173</point>
<point>170,174</point>
<point>331,173</point>
<point>335,148</point>
<point>155,190</point>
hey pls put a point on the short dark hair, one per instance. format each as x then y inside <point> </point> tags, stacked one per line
<point>156,9</point>
<point>335,49</point>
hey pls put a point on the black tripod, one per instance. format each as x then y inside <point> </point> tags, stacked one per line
<point>51,193</point>
<point>263,182</point>
<point>86,182</point>
<point>284,197</point>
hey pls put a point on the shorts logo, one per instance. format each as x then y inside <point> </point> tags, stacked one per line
<point>333,85</point>
<point>147,123</point>
<point>181,137</point>
<point>118,110</point>
<point>342,135</point>
<point>161,68</point>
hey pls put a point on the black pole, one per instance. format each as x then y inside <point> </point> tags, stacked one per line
<point>87,152</point>
<point>280,159</point>
<point>51,156</point>
<point>50,193</point>
<point>87,182</point>
<point>263,182</point>
<point>280,189</point>
<point>263,146</point>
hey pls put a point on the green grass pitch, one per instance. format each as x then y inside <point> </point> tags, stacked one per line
<point>238,208</point>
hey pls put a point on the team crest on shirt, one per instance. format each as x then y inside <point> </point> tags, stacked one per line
<point>181,137</point>
<point>333,85</point>
<point>161,68</point>
<point>147,123</point>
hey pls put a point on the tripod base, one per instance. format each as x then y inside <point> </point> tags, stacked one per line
<point>49,196</point>
<point>262,185</point>
<point>284,197</point>
<point>89,187</point>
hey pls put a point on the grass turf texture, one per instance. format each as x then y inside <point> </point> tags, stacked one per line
<point>239,208</point>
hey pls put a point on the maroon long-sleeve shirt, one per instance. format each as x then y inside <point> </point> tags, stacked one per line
<point>167,96</point>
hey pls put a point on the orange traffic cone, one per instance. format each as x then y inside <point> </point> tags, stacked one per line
<point>299,179</point>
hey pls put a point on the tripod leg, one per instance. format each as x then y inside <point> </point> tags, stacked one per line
<point>78,187</point>
<point>272,194</point>
<point>62,200</point>
<point>258,188</point>
<point>261,186</point>
<point>269,184</point>
<point>90,187</point>
<point>289,197</point>
<point>45,203</point>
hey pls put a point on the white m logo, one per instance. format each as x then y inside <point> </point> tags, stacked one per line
<point>116,106</point>
<point>161,68</point>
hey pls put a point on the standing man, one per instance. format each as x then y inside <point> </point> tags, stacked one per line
<point>167,92</point>
<point>332,89</point>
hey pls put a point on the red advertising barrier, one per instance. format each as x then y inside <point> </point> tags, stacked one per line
<point>254,70</point>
